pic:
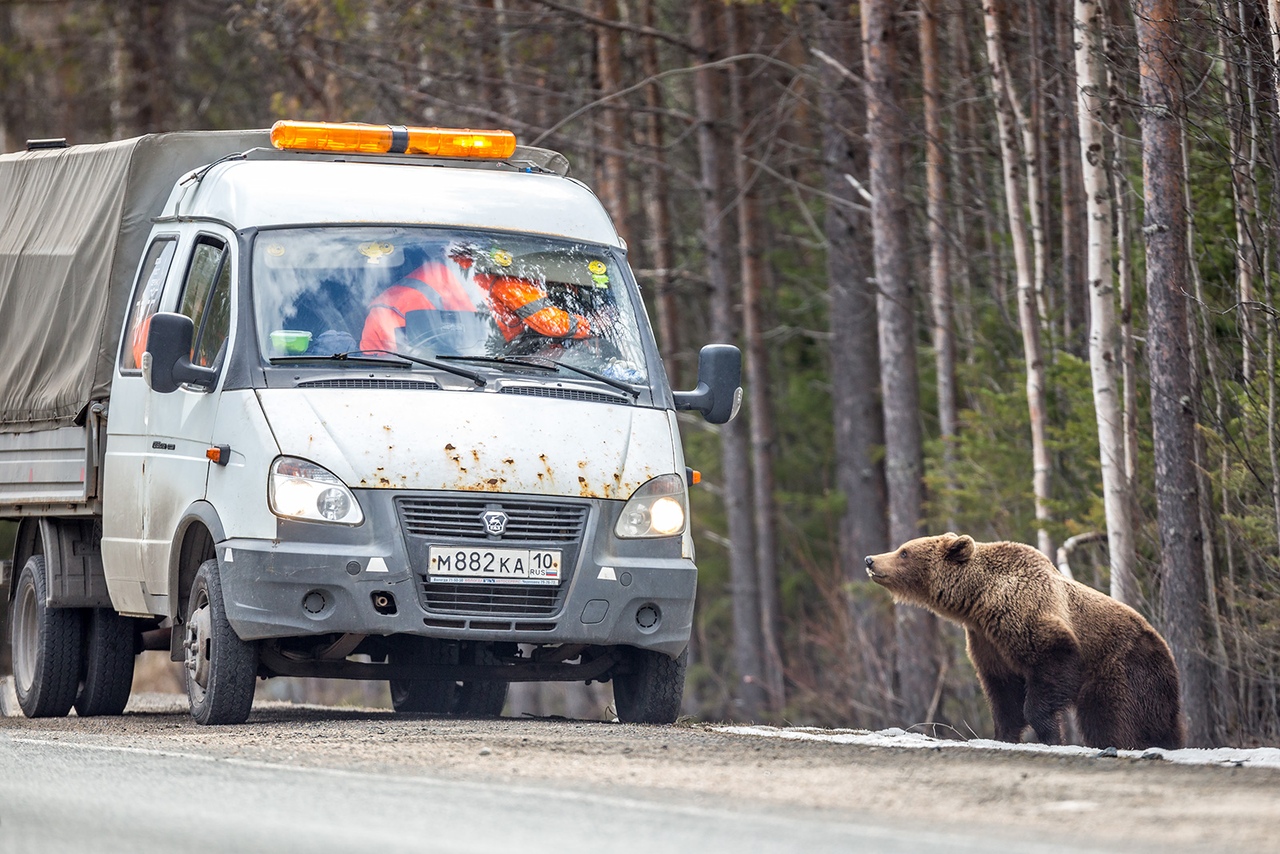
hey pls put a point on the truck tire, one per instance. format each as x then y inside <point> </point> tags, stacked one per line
<point>481,699</point>
<point>466,699</point>
<point>46,646</point>
<point>220,669</point>
<point>109,651</point>
<point>421,696</point>
<point>650,690</point>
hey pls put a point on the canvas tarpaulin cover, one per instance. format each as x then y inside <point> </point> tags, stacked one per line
<point>73,225</point>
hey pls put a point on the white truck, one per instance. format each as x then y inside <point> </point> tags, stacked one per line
<point>349,401</point>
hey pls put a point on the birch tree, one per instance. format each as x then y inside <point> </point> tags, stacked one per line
<point>1102,325</point>
<point>1015,189</point>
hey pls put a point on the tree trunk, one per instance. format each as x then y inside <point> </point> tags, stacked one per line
<point>1243,142</point>
<point>944,348</point>
<point>1172,412</point>
<point>657,206</point>
<point>855,354</point>
<point>1124,252</point>
<point>612,187</point>
<point>1102,328</point>
<point>1074,226</point>
<point>708,83</point>
<point>917,630</point>
<point>1031,127</point>
<point>1273,11</point>
<point>751,265</point>
<point>1028,315</point>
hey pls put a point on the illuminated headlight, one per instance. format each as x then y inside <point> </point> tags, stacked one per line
<point>655,509</point>
<point>303,490</point>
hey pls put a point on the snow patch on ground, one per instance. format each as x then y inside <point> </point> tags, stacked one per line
<point>1258,757</point>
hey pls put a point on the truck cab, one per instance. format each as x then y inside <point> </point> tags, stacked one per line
<point>379,415</point>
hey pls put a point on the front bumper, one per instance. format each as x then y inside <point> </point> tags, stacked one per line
<point>320,579</point>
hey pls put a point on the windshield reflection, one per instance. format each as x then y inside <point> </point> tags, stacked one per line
<point>436,294</point>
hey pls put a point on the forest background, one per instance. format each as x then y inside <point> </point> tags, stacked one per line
<point>1006,268</point>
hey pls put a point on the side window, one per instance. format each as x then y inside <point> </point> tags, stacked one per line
<point>206,299</point>
<point>155,269</point>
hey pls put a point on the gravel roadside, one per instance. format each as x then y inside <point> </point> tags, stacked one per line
<point>1116,804</point>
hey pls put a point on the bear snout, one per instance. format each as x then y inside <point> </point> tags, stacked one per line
<point>871,562</point>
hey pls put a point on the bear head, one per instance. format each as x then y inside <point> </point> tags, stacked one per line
<point>920,571</point>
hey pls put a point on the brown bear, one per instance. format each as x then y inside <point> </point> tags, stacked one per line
<point>1042,642</point>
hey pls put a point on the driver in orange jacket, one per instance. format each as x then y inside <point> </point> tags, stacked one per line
<point>433,286</point>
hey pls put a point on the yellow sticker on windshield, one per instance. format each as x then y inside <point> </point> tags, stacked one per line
<point>375,252</point>
<point>502,257</point>
<point>597,268</point>
<point>275,250</point>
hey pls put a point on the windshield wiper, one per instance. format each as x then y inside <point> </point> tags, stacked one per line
<point>610,381</point>
<point>380,357</point>
<point>548,364</point>
<point>398,361</point>
<point>499,360</point>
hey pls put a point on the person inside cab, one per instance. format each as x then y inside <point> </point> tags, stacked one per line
<point>519,299</point>
<point>431,287</point>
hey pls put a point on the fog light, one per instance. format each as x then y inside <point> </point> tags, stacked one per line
<point>647,617</point>
<point>315,602</point>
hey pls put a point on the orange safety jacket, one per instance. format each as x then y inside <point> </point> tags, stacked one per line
<point>519,303</point>
<point>387,312</point>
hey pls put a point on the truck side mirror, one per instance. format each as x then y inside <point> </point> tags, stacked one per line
<point>167,364</point>
<point>719,393</point>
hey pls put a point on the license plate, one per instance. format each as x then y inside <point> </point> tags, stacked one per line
<point>493,566</point>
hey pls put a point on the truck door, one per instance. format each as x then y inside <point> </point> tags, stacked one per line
<point>122,504</point>
<point>179,426</point>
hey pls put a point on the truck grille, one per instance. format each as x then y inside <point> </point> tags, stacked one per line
<point>437,520</point>
<point>460,518</point>
<point>508,599</point>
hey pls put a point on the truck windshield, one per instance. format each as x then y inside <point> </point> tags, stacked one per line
<point>433,293</point>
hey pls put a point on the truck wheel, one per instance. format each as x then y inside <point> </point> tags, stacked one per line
<point>481,699</point>
<point>651,689</point>
<point>220,668</point>
<point>109,652</point>
<point>421,696</point>
<point>46,646</point>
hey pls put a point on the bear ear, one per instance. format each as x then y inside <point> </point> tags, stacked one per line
<point>961,549</point>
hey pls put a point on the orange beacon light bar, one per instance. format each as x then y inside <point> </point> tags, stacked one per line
<point>393,139</point>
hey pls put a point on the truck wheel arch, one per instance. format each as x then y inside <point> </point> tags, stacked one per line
<point>195,541</point>
<point>28,543</point>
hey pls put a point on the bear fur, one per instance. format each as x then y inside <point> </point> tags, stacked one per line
<point>1041,642</point>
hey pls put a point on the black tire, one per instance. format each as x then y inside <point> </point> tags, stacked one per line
<point>219,668</point>
<point>109,651</point>
<point>651,688</point>
<point>421,696</point>
<point>467,699</point>
<point>46,644</point>
<point>481,699</point>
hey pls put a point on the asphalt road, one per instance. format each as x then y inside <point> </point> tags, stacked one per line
<point>62,795</point>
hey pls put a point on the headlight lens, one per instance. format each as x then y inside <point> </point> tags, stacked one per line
<point>303,490</point>
<point>654,510</point>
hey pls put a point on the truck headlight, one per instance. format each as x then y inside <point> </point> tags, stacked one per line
<point>654,510</point>
<point>302,490</point>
